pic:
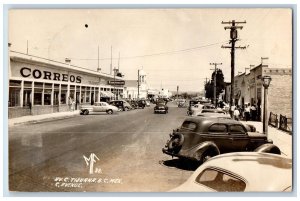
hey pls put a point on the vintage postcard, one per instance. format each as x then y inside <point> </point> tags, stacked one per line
<point>150,100</point>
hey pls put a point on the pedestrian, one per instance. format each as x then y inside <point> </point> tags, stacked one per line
<point>232,108</point>
<point>247,112</point>
<point>236,114</point>
<point>253,113</point>
<point>72,105</point>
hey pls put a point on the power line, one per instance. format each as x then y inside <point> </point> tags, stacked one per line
<point>160,53</point>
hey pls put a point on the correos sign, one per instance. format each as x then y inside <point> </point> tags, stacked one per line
<point>47,75</point>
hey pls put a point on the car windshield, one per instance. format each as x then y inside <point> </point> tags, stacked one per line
<point>220,181</point>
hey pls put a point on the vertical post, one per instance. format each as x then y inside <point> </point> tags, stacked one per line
<point>232,68</point>
<point>215,86</point>
<point>115,83</point>
<point>138,84</point>
<point>177,91</point>
<point>110,60</point>
<point>233,36</point>
<point>265,119</point>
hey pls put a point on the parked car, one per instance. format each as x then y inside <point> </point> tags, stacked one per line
<point>98,107</point>
<point>198,105</point>
<point>241,172</point>
<point>141,103</point>
<point>182,103</point>
<point>200,138</point>
<point>206,109</point>
<point>121,104</point>
<point>147,103</point>
<point>161,107</point>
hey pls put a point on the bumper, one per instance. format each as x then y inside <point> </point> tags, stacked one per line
<point>160,111</point>
<point>165,151</point>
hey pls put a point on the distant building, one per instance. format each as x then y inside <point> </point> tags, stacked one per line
<point>165,93</point>
<point>131,90</point>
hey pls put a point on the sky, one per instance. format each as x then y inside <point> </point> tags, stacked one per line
<point>173,46</point>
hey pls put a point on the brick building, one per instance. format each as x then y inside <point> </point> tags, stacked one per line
<point>248,89</point>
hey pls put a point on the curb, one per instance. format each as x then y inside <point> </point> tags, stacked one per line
<point>43,120</point>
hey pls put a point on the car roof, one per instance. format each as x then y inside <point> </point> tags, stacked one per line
<point>261,171</point>
<point>212,110</point>
<point>211,120</point>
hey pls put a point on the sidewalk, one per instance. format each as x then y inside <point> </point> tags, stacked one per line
<point>280,138</point>
<point>41,118</point>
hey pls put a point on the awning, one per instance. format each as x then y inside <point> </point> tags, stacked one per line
<point>106,94</point>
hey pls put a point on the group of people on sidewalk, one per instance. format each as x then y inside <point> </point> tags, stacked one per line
<point>248,112</point>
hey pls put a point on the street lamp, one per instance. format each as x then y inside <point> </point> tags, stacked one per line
<point>266,83</point>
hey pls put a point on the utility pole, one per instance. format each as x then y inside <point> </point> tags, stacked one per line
<point>177,91</point>
<point>115,83</point>
<point>138,84</point>
<point>110,60</point>
<point>119,62</point>
<point>233,38</point>
<point>215,82</point>
<point>98,69</point>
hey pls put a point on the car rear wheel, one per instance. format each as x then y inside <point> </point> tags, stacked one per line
<point>109,112</point>
<point>86,112</point>
<point>206,156</point>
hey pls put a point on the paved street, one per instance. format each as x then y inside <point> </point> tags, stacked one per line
<point>49,156</point>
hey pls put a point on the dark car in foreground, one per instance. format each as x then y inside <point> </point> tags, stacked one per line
<point>161,107</point>
<point>200,138</point>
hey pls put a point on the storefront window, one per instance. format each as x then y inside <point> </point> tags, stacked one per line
<point>88,94</point>
<point>38,92</point>
<point>63,96</point>
<point>72,92</point>
<point>14,93</point>
<point>27,93</point>
<point>56,94</point>
<point>47,94</point>
<point>82,94</point>
<point>77,94</point>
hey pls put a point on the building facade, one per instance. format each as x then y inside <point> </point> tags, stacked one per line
<point>41,86</point>
<point>249,89</point>
<point>133,91</point>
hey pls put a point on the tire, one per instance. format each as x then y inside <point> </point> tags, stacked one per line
<point>85,112</point>
<point>126,109</point>
<point>175,143</point>
<point>109,112</point>
<point>206,155</point>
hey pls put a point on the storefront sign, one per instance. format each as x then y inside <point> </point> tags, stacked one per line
<point>47,75</point>
<point>116,82</point>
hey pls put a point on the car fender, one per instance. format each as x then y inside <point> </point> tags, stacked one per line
<point>203,147</point>
<point>268,148</point>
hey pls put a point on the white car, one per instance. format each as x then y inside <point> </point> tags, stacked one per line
<point>241,172</point>
<point>98,107</point>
